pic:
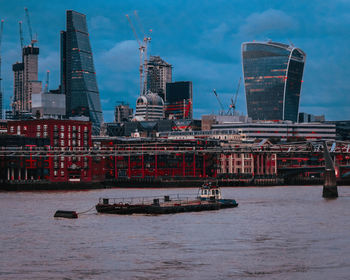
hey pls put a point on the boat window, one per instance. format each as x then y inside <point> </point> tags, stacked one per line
<point>213,192</point>
<point>205,192</point>
<point>217,192</point>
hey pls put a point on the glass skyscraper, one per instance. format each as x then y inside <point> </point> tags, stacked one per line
<point>78,77</point>
<point>272,77</point>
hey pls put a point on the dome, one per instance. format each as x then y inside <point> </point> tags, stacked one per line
<point>150,98</point>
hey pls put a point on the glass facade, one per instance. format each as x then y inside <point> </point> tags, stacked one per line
<point>179,100</point>
<point>272,76</point>
<point>78,77</point>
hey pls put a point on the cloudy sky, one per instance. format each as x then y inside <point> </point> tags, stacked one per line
<point>201,39</point>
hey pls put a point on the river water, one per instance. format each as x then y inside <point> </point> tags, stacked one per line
<point>275,233</point>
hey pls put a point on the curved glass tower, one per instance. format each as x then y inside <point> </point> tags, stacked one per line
<point>272,77</point>
<point>78,77</point>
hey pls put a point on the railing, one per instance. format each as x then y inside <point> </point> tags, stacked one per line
<point>147,200</point>
<point>156,149</point>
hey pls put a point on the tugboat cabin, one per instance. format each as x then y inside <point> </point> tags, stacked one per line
<point>209,192</point>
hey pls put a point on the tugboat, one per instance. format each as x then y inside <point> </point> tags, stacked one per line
<point>208,198</point>
<point>213,193</point>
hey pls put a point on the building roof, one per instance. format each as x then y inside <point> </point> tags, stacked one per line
<point>150,98</point>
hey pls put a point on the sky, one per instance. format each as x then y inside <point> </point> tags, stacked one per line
<point>201,39</point>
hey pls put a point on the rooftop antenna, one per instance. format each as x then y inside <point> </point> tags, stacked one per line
<point>46,88</point>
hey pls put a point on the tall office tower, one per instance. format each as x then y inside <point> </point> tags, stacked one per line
<point>179,103</point>
<point>159,73</point>
<point>1,104</point>
<point>25,81</point>
<point>273,75</point>
<point>78,76</point>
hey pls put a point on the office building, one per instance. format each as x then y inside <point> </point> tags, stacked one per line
<point>149,107</point>
<point>67,134</point>
<point>123,113</point>
<point>25,81</point>
<point>179,100</point>
<point>272,77</point>
<point>281,130</point>
<point>159,73</point>
<point>78,76</point>
<point>50,104</point>
<point>305,117</point>
<point>1,104</point>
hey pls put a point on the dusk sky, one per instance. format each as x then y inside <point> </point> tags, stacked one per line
<point>201,39</point>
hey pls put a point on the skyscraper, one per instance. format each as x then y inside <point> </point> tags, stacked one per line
<point>1,105</point>
<point>159,73</point>
<point>272,76</point>
<point>26,82</point>
<point>179,104</point>
<point>78,76</point>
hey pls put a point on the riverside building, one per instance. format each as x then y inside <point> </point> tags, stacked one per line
<point>273,75</point>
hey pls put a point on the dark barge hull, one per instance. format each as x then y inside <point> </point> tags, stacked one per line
<point>160,209</point>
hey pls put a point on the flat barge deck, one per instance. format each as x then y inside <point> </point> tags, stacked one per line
<point>209,198</point>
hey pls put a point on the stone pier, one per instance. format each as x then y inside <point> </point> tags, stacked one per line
<point>330,189</point>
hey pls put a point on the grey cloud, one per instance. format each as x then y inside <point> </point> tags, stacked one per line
<point>268,22</point>
<point>123,56</point>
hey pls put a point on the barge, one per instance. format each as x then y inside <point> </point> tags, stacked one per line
<point>208,198</point>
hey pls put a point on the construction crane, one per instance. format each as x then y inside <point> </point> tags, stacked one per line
<point>233,102</point>
<point>32,40</point>
<point>222,110</point>
<point>21,35</point>
<point>143,45</point>
<point>232,108</point>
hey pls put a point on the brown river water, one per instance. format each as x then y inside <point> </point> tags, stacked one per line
<point>275,233</point>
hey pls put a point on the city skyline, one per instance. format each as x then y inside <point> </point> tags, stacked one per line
<point>201,40</point>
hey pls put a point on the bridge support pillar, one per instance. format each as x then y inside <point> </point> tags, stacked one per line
<point>330,189</point>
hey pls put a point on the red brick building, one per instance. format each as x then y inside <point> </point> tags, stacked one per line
<point>67,134</point>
